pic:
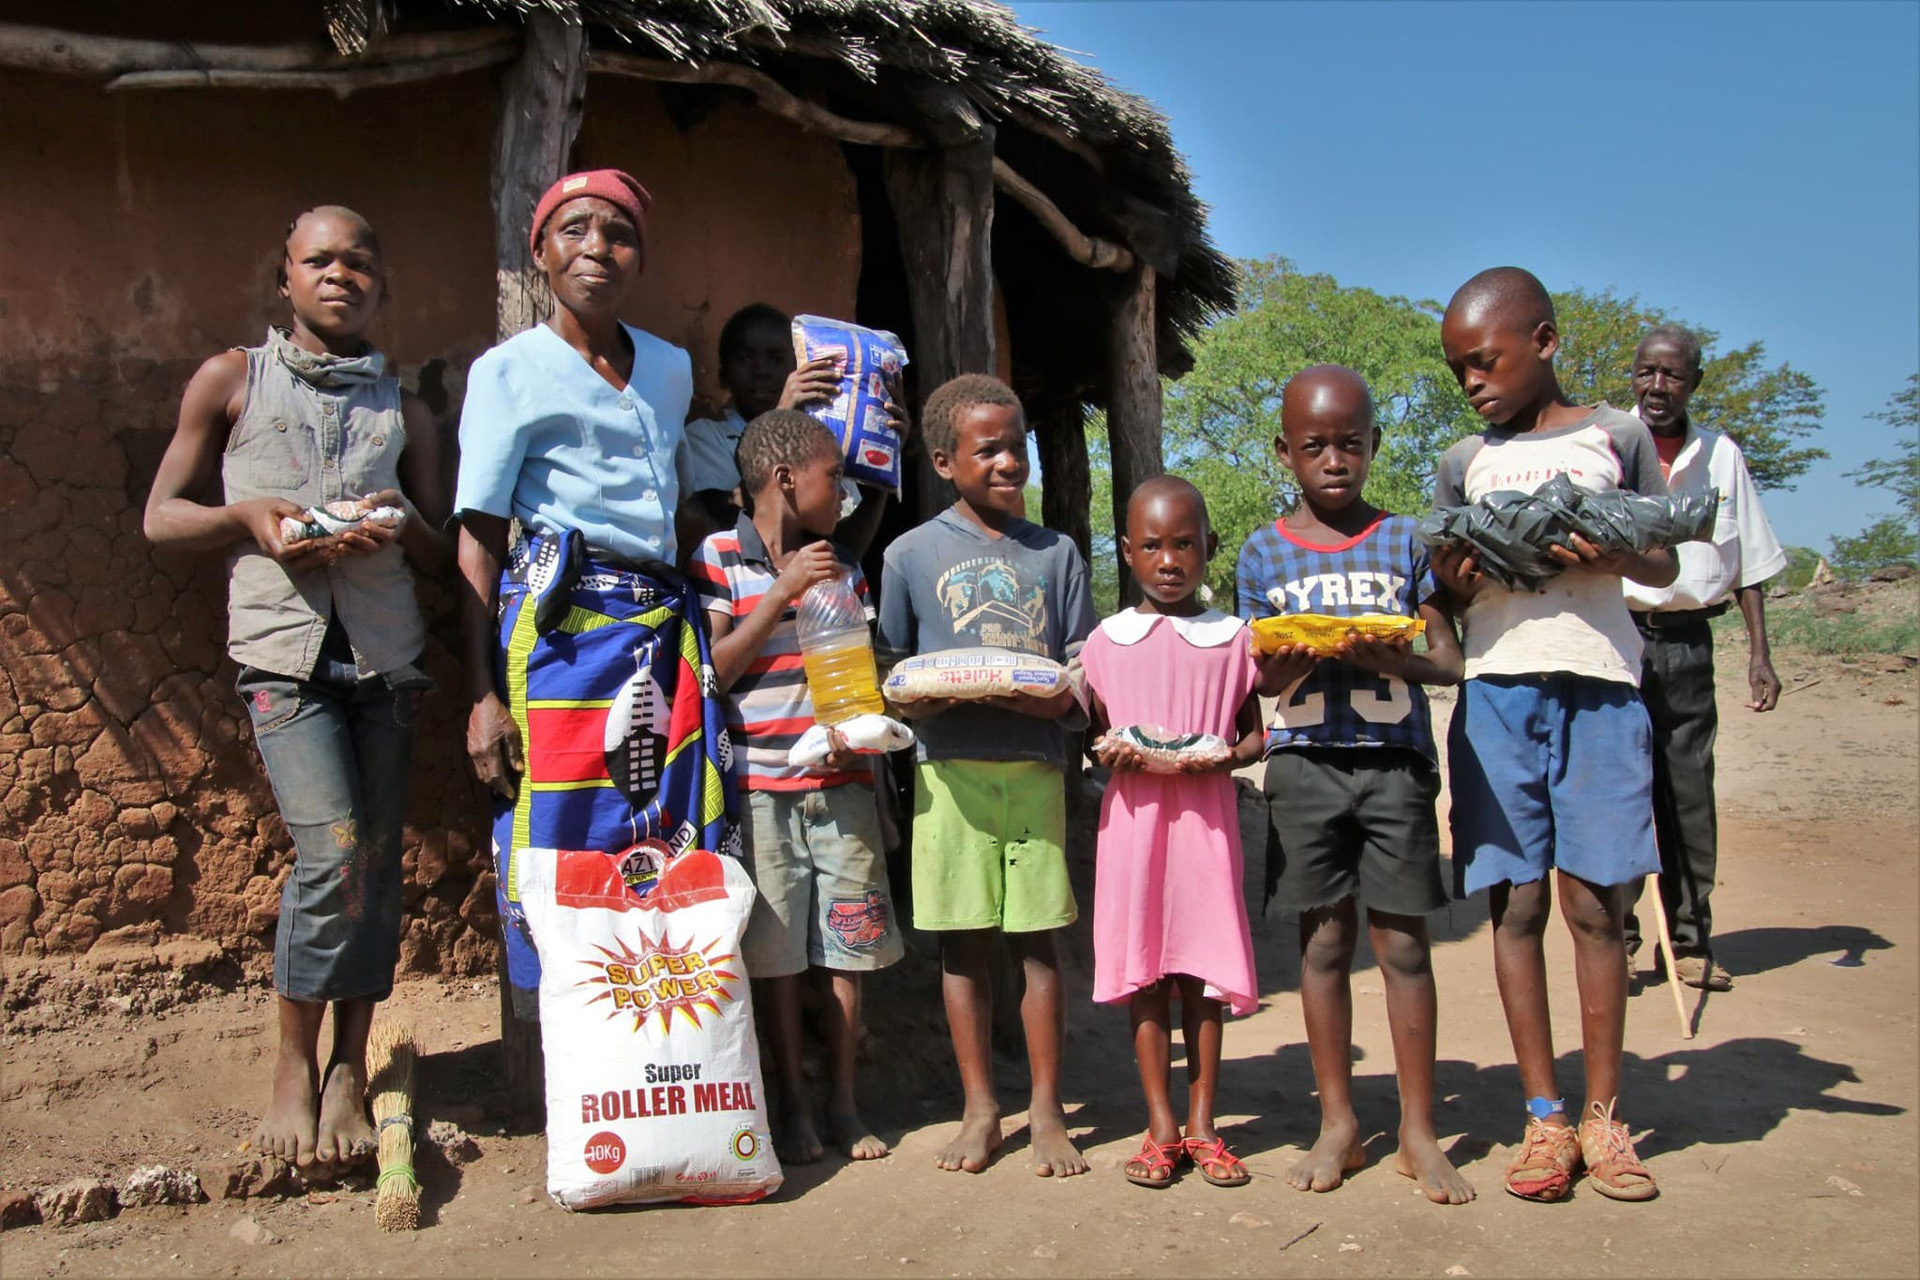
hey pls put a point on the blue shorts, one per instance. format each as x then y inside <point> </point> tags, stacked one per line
<point>1551,771</point>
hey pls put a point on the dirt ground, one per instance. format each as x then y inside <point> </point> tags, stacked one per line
<point>1784,1136</point>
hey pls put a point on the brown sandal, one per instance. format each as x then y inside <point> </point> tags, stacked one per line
<point>1543,1168</point>
<point>1159,1159</point>
<point>1607,1146</point>
<point>1209,1154</point>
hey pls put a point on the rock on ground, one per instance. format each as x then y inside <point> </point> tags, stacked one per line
<point>248,1231</point>
<point>17,1209</point>
<point>160,1184</point>
<point>82,1200</point>
<point>455,1144</point>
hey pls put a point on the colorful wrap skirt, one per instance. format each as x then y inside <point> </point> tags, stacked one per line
<point>606,670</point>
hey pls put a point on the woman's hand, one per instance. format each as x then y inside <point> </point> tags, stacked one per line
<point>813,381</point>
<point>493,745</point>
<point>811,565</point>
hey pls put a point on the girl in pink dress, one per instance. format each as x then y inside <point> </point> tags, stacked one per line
<point>1168,910</point>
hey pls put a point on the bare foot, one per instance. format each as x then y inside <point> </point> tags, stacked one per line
<point>1421,1159</point>
<point>974,1145</point>
<point>345,1135</point>
<point>1054,1155</point>
<point>852,1136</point>
<point>1336,1154</point>
<point>795,1141</point>
<point>286,1131</point>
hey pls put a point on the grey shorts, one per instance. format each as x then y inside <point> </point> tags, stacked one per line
<point>1354,822</point>
<point>817,861</point>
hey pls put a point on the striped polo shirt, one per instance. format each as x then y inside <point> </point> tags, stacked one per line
<point>768,707</point>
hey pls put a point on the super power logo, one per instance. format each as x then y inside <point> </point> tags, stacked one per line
<point>658,979</point>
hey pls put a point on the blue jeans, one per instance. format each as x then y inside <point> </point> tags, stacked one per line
<point>337,750</point>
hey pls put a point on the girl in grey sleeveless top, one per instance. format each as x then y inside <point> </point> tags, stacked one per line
<point>327,634</point>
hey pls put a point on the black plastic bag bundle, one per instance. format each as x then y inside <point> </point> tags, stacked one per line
<point>1510,531</point>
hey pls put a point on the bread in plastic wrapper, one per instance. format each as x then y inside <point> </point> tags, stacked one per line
<point>1323,632</point>
<point>1168,752</point>
<point>652,1070</point>
<point>984,672</point>
<point>870,365</point>
<point>865,734</point>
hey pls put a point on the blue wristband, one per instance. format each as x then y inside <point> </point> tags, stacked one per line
<point>1541,1108</point>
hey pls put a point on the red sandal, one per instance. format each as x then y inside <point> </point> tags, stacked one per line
<point>1211,1154</point>
<point>1159,1159</point>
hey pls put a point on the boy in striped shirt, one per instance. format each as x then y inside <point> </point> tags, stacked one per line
<point>812,836</point>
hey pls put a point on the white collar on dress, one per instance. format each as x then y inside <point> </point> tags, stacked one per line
<point>1204,630</point>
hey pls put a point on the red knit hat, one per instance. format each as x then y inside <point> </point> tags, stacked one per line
<point>621,190</point>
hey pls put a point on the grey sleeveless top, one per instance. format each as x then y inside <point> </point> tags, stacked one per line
<point>317,428</point>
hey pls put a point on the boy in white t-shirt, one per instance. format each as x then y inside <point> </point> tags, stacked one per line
<point>1550,746</point>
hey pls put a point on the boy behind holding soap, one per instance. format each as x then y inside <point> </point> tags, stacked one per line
<point>989,830</point>
<point>812,837</point>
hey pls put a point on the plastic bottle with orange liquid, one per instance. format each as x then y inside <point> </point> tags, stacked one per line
<point>838,652</point>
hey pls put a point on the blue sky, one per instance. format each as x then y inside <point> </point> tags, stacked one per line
<point>1752,167</point>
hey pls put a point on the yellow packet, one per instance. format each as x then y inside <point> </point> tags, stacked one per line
<point>1323,633</point>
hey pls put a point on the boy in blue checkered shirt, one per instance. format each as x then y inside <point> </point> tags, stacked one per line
<point>1352,774</point>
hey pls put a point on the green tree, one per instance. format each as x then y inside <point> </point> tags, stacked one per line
<point>1891,539</point>
<point>1767,409</point>
<point>1222,417</point>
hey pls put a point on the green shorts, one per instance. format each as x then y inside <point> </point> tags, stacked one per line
<point>990,846</point>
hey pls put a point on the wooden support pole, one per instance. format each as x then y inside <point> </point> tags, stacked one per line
<point>28,48</point>
<point>540,102</point>
<point>943,204</point>
<point>1133,404</point>
<point>1066,490</point>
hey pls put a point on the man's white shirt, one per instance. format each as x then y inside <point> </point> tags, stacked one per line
<point>1743,550</point>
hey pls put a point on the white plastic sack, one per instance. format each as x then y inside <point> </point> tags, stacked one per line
<point>653,1073</point>
<point>868,734</point>
<point>984,672</point>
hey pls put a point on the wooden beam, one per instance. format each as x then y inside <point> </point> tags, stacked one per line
<point>1091,251</point>
<point>341,83</point>
<point>1133,404</point>
<point>29,48</point>
<point>767,91</point>
<point>958,126</point>
<point>540,101</point>
<point>943,205</point>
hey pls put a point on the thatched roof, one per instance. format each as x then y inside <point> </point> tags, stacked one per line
<point>1105,156</point>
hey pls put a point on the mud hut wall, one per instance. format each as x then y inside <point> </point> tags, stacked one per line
<point>139,234</point>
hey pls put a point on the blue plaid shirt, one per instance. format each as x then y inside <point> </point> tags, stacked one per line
<point>1384,570</point>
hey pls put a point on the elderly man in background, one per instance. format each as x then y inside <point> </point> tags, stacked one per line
<point>1677,666</point>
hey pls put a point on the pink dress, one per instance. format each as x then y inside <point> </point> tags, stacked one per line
<point>1167,894</point>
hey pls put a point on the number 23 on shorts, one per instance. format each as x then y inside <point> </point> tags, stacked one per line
<point>1389,704</point>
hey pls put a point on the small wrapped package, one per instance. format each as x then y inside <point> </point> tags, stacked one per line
<point>334,518</point>
<point>1323,632</point>
<point>974,673</point>
<point>867,734</point>
<point>1168,752</point>
<point>870,365</point>
<point>1511,531</point>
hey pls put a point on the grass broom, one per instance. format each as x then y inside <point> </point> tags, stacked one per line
<point>390,1058</point>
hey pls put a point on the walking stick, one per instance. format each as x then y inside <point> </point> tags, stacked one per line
<point>1666,951</point>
